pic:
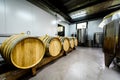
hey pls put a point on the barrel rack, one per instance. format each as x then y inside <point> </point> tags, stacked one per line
<point>8,72</point>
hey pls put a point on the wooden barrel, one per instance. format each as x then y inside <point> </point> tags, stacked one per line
<point>53,45</point>
<point>72,44</point>
<point>109,44</point>
<point>76,41</point>
<point>22,51</point>
<point>65,43</point>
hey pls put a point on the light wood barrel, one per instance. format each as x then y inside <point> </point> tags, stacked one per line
<point>53,45</point>
<point>76,41</point>
<point>72,44</point>
<point>65,43</point>
<point>23,51</point>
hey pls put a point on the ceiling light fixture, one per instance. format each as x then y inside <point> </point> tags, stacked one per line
<point>78,14</point>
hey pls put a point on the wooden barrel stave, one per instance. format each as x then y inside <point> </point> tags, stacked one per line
<point>11,46</point>
<point>2,46</point>
<point>7,45</point>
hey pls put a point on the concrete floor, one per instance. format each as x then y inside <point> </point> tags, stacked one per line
<point>80,64</point>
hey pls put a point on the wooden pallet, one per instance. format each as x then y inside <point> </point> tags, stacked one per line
<point>45,61</point>
<point>18,73</point>
<point>11,73</point>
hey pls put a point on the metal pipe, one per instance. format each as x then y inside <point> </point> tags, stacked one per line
<point>5,35</point>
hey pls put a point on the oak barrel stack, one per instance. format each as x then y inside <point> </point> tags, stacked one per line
<point>22,51</point>
<point>53,45</point>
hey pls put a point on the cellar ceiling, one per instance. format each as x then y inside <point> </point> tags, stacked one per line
<point>79,10</point>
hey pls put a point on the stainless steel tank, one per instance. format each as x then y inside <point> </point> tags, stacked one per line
<point>81,35</point>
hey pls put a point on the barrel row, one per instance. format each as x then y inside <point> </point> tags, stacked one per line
<point>25,51</point>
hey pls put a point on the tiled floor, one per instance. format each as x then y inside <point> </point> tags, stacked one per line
<point>80,64</point>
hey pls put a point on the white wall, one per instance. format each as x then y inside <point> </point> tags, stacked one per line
<point>2,16</point>
<point>18,16</point>
<point>72,29</point>
<point>22,16</point>
<point>93,27</point>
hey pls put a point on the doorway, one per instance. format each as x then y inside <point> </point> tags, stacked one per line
<point>61,30</point>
